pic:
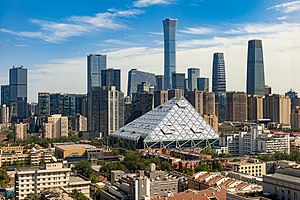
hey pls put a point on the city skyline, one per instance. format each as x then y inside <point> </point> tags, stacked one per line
<point>133,38</point>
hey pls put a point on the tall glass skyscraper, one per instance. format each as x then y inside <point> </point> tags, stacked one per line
<point>18,93</point>
<point>95,64</point>
<point>136,77</point>
<point>5,94</point>
<point>193,74</point>
<point>111,77</point>
<point>170,51</point>
<point>219,75</point>
<point>203,84</point>
<point>255,68</point>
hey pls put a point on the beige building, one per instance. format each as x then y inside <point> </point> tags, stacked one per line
<point>255,107</point>
<point>213,121</point>
<point>236,106</point>
<point>21,131</point>
<point>252,167</point>
<point>195,97</point>
<point>209,106</point>
<point>34,180</point>
<point>277,108</point>
<point>4,114</point>
<point>57,126</point>
<point>64,150</point>
<point>82,123</point>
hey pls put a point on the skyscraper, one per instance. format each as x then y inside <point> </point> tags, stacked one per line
<point>159,82</point>
<point>95,64</point>
<point>193,75</point>
<point>169,50</point>
<point>44,103</point>
<point>255,68</point>
<point>5,94</point>
<point>219,75</point>
<point>107,113</point>
<point>178,81</point>
<point>203,84</point>
<point>111,77</point>
<point>18,93</point>
<point>136,77</point>
<point>237,106</point>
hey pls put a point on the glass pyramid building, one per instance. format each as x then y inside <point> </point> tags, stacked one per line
<point>175,124</point>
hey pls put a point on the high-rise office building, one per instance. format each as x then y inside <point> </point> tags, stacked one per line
<point>268,90</point>
<point>111,77</point>
<point>295,118</point>
<point>178,81</point>
<point>209,105</point>
<point>220,103</point>
<point>203,84</point>
<point>193,75</point>
<point>159,82</point>
<point>18,93</point>
<point>255,107</point>
<point>237,106</point>
<point>277,108</point>
<point>136,77</point>
<point>255,68</point>
<point>5,95</point>
<point>44,103</point>
<point>95,64</point>
<point>107,113</point>
<point>169,26</point>
<point>219,74</point>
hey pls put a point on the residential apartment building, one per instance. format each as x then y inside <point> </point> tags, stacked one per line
<point>21,130</point>
<point>34,180</point>
<point>57,126</point>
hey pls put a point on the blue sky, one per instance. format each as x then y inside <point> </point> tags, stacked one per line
<point>52,38</point>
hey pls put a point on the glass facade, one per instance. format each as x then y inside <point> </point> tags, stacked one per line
<point>18,93</point>
<point>159,82</point>
<point>111,77</point>
<point>169,26</point>
<point>95,64</point>
<point>203,84</point>
<point>219,74</point>
<point>178,80</point>
<point>255,68</point>
<point>5,94</point>
<point>193,75</point>
<point>175,124</point>
<point>136,77</point>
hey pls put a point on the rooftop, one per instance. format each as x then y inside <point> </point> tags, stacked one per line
<point>75,146</point>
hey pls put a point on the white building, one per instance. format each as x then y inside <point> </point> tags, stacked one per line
<point>254,141</point>
<point>21,131</point>
<point>34,180</point>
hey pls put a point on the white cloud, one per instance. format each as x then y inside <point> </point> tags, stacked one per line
<point>282,18</point>
<point>146,3</point>
<point>76,25</point>
<point>197,30</point>
<point>287,7</point>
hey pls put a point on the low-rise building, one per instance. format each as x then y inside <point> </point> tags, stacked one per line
<point>284,184</point>
<point>252,167</point>
<point>67,150</point>
<point>34,180</point>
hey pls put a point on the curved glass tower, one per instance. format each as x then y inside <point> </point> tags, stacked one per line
<point>170,51</point>
<point>219,75</point>
<point>255,68</point>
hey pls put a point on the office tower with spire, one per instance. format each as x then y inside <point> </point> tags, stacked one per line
<point>169,26</point>
<point>219,75</point>
<point>255,68</point>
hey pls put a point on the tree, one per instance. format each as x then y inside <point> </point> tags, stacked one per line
<point>166,166</point>
<point>4,178</point>
<point>33,196</point>
<point>202,167</point>
<point>77,195</point>
<point>133,161</point>
<point>84,168</point>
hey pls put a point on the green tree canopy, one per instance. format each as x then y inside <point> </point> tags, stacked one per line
<point>4,178</point>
